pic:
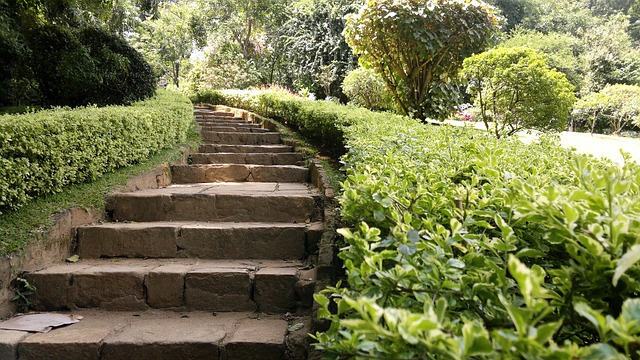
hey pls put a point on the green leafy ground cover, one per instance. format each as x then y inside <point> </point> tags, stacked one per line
<point>464,246</point>
<point>43,152</point>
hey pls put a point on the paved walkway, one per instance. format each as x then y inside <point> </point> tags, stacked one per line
<point>597,145</point>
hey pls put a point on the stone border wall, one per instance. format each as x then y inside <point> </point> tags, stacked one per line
<point>57,242</point>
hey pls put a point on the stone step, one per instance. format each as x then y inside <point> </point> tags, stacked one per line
<point>244,149</point>
<point>271,241</point>
<point>234,128</point>
<point>158,335</point>
<point>287,158</point>
<point>205,125</point>
<point>226,202</point>
<point>211,113</point>
<point>239,138</point>
<point>219,120</point>
<point>183,284</point>
<point>202,173</point>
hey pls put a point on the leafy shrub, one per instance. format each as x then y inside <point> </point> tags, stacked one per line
<point>85,67</point>
<point>366,88</point>
<point>122,75</point>
<point>515,89</point>
<point>62,66</point>
<point>467,246</point>
<point>616,106</point>
<point>42,152</point>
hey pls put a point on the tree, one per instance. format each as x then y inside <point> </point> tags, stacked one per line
<point>418,47</point>
<point>313,39</point>
<point>515,89</point>
<point>610,57</point>
<point>619,105</point>
<point>169,39</point>
<point>562,51</point>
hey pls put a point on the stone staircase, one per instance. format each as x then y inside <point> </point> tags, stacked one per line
<point>218,265</point>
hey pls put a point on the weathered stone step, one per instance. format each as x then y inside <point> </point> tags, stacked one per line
<point>245,202</point>
<point>239,138</point>
<point>272,241</point>
<point>287,158</point>
<point>202,173</point>
<point>156,335</point>
<point>235,129</point>
<point>212,113</point>
<point>205,125</point>
<point>244,149</point>
<point>191,284</point>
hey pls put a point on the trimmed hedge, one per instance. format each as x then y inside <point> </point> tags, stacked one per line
<point>463,246</point>
<point>42,152</point>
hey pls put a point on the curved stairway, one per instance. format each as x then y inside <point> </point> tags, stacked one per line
<point>218,265</point>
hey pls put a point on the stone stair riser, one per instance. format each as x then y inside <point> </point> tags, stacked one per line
<point>227,208</point>
<point>205,241</point>
<point>234,138</point>
<point>139,287</point>
<point>244,149</point>
<point>247,158</point>
<point>186,174</point>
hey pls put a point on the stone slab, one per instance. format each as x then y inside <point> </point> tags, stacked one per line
<point>225,148</point>
<point>257,340</point>
<point>243,202</point>
<point>202,173</point>
<point>247,158</point>
<point>275,289</point>
<point>233,138</point>
<point>127,240</point>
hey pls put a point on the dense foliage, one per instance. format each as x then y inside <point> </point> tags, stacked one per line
<point>467,246</point>
<point>364,87</point>
<point>514,89</point>
<point>52,55</point>
<point>42,152</point>
<point>615,107</point>
<point>418,47</point>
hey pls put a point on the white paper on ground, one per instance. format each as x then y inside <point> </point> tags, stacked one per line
<point>42,323</point>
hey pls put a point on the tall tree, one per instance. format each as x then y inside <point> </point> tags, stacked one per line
<point>169,39</point>
<point>314,42</point>
<point>418,47</point>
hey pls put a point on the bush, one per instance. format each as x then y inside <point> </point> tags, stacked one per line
<point>366,88</point>
<point>515,89</point>
<point>86,67</point>
<point>122,75</point>
<point>62,66</point>
<point>464,246</point>
<point>40,153</point>
<point>616,106</point>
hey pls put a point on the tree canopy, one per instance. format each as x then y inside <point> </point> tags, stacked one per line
<point>418,47</point>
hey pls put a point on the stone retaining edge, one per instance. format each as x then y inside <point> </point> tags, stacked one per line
<point>57,242</point>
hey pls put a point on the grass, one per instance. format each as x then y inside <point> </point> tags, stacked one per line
<point>27,225</point>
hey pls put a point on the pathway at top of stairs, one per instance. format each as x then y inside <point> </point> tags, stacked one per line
<point>218,265</point>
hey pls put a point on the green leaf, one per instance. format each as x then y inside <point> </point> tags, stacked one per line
<point>602,352</point>
<point>594,317</point>
<point>627,260</point>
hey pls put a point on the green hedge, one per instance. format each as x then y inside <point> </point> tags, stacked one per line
<point>42,152</point>
<point>463,246</point>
